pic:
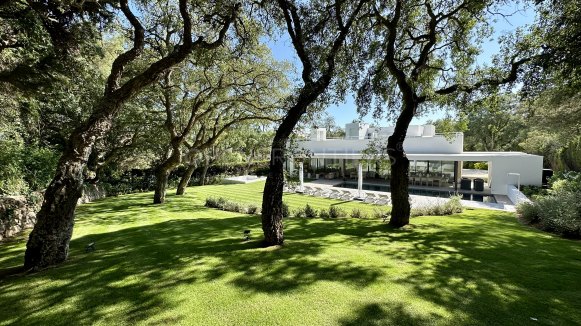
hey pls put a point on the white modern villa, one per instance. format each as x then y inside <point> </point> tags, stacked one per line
<point>436,162</point>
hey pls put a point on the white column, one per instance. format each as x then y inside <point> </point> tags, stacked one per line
<point>360,180</point>
<point>301,187</point>
<point>291,165</point>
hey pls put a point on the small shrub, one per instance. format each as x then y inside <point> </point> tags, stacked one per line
<point>241,208</point>
<point>453,206</point>
<point>212,202</point>
<point>335,212</point>
<point>567,181</point>
<point>323,213</point>
<point>253,209</point>
<point>357,213</point>
<point>532,191</point>
<point>285,210</point>
<point>299,212</point>
<point>380,213</point>
<point>310,211</point>
<point>528,212</point>
<point>231,206</point>
<point>221,202</point>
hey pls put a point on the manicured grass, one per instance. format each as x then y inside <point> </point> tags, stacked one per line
<point>184,263</point>
<point>252,194</point>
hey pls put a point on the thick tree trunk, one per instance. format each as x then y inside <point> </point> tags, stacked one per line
<point>400,164</point>
<point>164,169</point>
<point>272,225</point>
<point>48,243</point>
<point>204,169</point>
<point>161,178</point>
<point>185,180</point>
<point>204,173</point>
<point>400,210</point>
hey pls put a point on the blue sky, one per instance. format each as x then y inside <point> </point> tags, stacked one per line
<point>346,112</point>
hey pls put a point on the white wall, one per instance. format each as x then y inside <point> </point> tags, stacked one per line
<point>515,196</point>
<point>425,145</point>
<point>356,130</point>
<point>530,168</point>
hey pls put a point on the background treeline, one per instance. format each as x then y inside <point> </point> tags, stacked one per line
<point>548,125</point>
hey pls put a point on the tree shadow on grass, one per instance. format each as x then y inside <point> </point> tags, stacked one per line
<point>490,272</point>
<point>484,270</point>
<point>135,268</point>
<point>372,314</point>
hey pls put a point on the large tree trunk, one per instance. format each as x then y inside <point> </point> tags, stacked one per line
<point>161,178</point>
<point>400,210</point>
<point>400,164</point>
<point>272,225</point>
<point>48,243</point>
<point>204,170</point>
<point>185,180</point>
<point>164,169</point>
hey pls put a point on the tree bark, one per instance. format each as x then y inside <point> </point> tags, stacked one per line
<point>164,169</point>
<point>161,178</point>
<point>204,172</point>
<point>48,243</point>
<point>400,164</point>
<point>400,210</point>
<point>185,180</point>
<point>272,225</point>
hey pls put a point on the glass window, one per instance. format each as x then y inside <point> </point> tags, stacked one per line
<point>436,167</point>
<point>421,166</point>
<point>448,169</point>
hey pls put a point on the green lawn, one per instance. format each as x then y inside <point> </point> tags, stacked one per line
<point>184,263</point>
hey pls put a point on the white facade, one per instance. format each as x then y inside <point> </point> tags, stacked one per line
<point>423,144</point>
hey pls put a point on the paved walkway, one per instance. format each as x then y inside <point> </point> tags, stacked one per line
<point>503,203</point>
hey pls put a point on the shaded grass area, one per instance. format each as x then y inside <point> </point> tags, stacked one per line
<point>184,263</point>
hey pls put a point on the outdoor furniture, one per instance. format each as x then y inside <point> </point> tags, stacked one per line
<point>346,195</point>
<point>334,193</point>
<point>321,192</point>
<point>383,200</point>
<point>370,198</point>
<point>418,180</point>
<point>479,184</point>
<point>330,175</point>
<point>465,184</point>
<point>308,190</point>
<point>436,181</point>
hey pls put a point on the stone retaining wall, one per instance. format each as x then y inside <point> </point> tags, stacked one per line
<point>18,213</point>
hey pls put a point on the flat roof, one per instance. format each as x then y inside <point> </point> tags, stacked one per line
<point>465,156</point>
